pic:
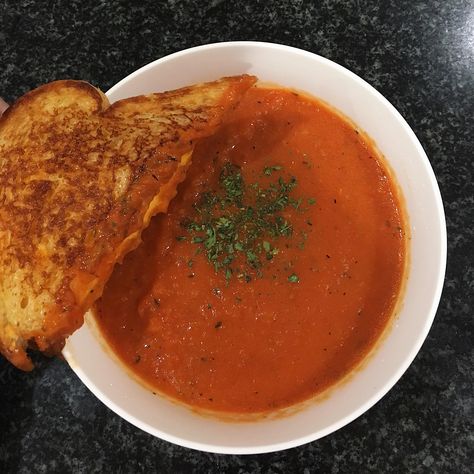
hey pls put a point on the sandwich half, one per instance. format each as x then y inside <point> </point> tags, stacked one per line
<point>79,181</point>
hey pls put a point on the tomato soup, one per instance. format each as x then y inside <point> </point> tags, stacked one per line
<point>275,270</point>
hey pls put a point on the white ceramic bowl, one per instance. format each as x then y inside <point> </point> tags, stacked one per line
<point>374,114</point>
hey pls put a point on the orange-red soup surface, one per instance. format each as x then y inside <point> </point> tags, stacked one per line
<point>249,339</point>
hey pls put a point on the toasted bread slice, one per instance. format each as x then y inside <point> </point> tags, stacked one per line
<point>79,180</point>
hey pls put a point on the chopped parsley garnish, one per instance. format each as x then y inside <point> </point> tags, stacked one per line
<point>268,170</point>
<point>239,225</point>
<point>293,278</point>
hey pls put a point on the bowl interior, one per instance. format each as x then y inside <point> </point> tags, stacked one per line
<point>372,113</point>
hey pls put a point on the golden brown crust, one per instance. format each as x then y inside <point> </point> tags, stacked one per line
<point>79,180</point>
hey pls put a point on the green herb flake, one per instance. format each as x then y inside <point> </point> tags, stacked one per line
<point>296,203</point>
<point>268,170</point>
<point>293,278</point>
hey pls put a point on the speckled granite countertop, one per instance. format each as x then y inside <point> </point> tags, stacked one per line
<point>420,55</point>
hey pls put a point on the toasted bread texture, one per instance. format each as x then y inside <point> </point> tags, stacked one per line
<point>79,180</point>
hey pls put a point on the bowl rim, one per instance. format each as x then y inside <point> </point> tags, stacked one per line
<point>436,296</point>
